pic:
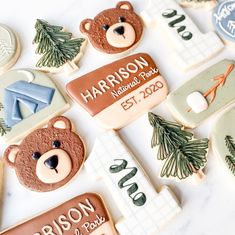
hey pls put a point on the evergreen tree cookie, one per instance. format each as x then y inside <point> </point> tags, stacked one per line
<point>57,48</point>
<point>183,154</point>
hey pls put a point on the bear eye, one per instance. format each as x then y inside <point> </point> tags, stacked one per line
<point>36,155</point>
<point>56,144</point>
<point>121,19</point>
<point>105,27</point>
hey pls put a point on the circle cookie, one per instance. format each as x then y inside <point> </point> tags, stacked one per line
<point>224,20</point>
<point>9,48</point>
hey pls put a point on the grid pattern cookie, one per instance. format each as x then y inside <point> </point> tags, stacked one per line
<point>190,46</point>
<point>144,210</point>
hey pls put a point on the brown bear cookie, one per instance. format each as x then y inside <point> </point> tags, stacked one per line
<point>114,30</point>
<point>48,157</point>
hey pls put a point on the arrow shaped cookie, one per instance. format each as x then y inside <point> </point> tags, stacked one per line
<point>190,46</point>
<point>144,210</point>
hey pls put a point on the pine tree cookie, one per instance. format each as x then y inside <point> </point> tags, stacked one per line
<point>114,31</point>
<point>9,48</point>
<point>58,50</point>
<point>198,3</point>
<point>223,140</point>
<point>184,155</point>
<point>28,99</point>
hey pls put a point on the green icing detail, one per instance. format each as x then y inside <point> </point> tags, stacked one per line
<point>56,46</point>
<point>3,127</point>
<point>230,159</point>
<point>184,155</point>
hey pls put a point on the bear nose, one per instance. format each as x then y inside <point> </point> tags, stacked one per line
<point>51,162</point>
<point>119,30</point>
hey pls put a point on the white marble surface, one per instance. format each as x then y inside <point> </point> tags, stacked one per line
<point>208,208</point>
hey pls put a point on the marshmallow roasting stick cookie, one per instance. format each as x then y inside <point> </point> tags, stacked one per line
<point>204,95</point>
<point>118,93</point>
<point>190,46</point>
<point>9,48</point>
<point>144,210</point>
<point>82,215</point>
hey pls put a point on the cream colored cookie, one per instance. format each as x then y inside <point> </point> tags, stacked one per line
<point>9,48</point>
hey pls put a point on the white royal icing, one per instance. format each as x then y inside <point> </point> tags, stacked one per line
<point>190,46</point>
<point>144,210</point>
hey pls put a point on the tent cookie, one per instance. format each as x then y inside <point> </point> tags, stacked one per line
<point>28,99</point>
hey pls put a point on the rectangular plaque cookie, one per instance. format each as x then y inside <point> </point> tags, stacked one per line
<point>82,215</point>
<point>204,95</point>
<point>117,93</point>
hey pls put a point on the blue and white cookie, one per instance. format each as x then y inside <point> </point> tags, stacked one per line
<point>223,19</point>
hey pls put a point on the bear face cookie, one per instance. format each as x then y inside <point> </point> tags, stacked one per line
<point>48,157</point>
<point>223,19</point>
<point>187,45</point>
<point>61,52</point>
<point>115,30</point>
<point>117,93</point>
<point>83,215</point>
<point>9,48</point>
<point>28,99</point>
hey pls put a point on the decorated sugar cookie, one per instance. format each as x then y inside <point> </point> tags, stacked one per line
<point>117,93</point>
<point>115,30</point>
<point>223,140</point>
<point>224,20</point>
<point>28,99</point>
<point>144,210</point>
<point>83,215</point>
<point>57,48</point>
<point>203,95</point>
<point>183,154</point>
<point>47,158</point>
<point>198,3</point>
<point>188,46</point>
<point>9,48</point>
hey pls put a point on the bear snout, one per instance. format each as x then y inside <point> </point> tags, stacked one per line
<point>119,30</point>
<point>52,163</point>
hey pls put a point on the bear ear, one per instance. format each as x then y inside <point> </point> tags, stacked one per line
<point>60,122</point>
<point>125,5</point>
<point>10,155</point>
<point>85,26</point>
